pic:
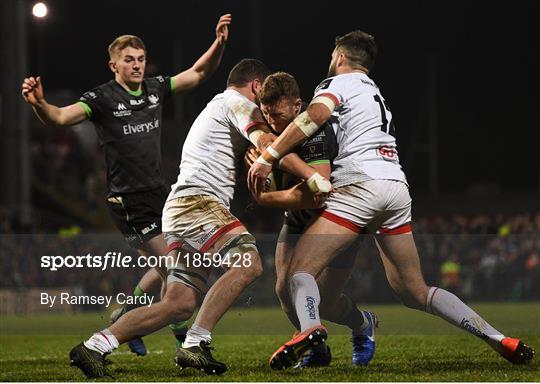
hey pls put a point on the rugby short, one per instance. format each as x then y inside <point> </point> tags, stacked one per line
<point>138,214</point>
<point>192,225</point>
<point>297,221</point>
<point>373,206</point>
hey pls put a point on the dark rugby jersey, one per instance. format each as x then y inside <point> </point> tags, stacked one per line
<point>321,148</point>
<point>128,126</point>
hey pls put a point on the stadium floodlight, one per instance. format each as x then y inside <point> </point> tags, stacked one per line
<point>39,9</point>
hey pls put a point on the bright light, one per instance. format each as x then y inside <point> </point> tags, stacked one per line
<point>39,10</point>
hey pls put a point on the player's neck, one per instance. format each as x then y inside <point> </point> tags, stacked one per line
<point>129,87</point>
<point>346,69</point>
<point>244,91</point>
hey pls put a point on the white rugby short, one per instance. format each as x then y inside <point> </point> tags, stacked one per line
<point>373,206</point>
<point>192,225</point>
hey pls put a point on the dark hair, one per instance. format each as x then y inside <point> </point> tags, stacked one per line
<point>359,47</point>
<point>125,41</point>
<point>278,85</point>
<point>247,70</point>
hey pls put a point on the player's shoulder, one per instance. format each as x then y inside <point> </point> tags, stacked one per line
<point>325,84</point>
<point>156,82</point>
<point>237,102</point>
<point>99,91</point>
<point>160,79</point>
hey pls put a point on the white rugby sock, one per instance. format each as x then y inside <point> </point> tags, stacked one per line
<point>305,297</point>
<point>449,307</point>
<point>195,335</point>
<point>102,342</point>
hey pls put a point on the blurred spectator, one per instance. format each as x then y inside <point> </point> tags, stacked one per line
<point>450,271</point>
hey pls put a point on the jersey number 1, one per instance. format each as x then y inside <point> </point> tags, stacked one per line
<point>387,126</point>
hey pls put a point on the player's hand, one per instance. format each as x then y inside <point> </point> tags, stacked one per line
<point>257,177</point>
<point>32,90</point>
<point>320,198</point>
<point>319,184</point>
<point>251,156</point>
<point>222,28</point>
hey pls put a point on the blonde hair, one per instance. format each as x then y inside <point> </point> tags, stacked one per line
<point>125,41</point>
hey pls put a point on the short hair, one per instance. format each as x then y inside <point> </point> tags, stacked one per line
<point>247,70</point>
<point>359,47</point>
<point>125,41</point>
<point>278,85</point>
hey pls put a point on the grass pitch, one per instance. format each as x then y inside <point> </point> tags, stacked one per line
<point>411,346</point>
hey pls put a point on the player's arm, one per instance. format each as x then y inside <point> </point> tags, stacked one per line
<point>261,136</point>
<point>207,63</point>
<point>303,126</point>
<point>32,91</point>
<point>299,196</point>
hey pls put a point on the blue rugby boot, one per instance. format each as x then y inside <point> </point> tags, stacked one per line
<point>363,345</point>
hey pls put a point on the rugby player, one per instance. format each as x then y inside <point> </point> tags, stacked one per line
<point>280,104</point>
<point>371,195</point>
<point>127,114</point>
<point>198,226</point>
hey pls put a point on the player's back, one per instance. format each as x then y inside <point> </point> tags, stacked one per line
<point>214,147</point>
<point>364,130</point>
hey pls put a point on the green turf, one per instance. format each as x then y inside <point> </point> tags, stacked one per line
<point>411,346</point>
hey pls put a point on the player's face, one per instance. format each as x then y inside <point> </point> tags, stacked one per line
<point>333,64</point>
<point>281,113</point>
<point>130,64</point>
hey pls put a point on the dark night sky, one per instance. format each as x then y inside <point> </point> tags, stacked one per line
<point>486,55</point>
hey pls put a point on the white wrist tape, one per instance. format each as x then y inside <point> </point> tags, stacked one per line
<point>306,125</point>
<point>275,154</point>
<point>254,135</point>
<point>317,183</point>
<point>261,160</point>
<point>326,101</point>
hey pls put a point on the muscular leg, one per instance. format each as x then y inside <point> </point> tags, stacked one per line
<point>223,292</point>
<point>336,306</point>
<point>284,251</point>
<point>178,304</point>
<point>402,266</point>
<point>156,277</point>
<point>316,248</point>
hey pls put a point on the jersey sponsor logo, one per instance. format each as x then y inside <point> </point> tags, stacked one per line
<point>121,110</point>
<point>315,140</point>
<point>387,152</point>
<point>136,102</point>
<point>130,129</point>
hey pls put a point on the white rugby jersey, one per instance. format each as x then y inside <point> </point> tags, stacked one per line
<point>215,145</point>
<point>364,130</point>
